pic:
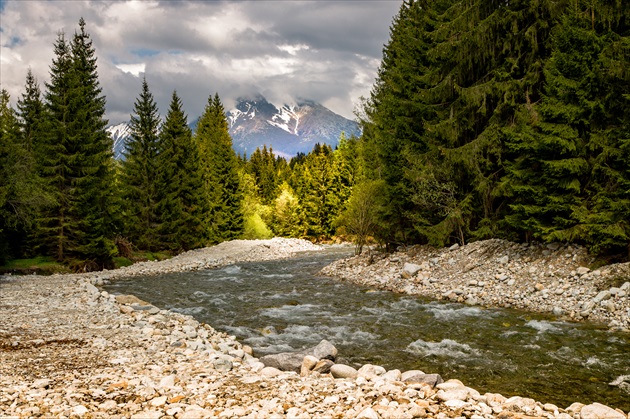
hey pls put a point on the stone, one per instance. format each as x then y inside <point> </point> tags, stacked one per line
<point>409,373</point>
<point>454,247</point>
<point>130,299</point>
<point>42,383</point>
<point>539,287</point>
<point>367,413</point>
<point>323,350</point>
<point>323,366</point>
<point>453,394</point>
<point>292,361</point>
<point>410,269</point>
<point>430,379</point>
<point>158,401</point>
<point>602,296</point>
<point>284,361</point>
<point>167,382</point>
<point>79,410</point>
<point>343,371</point>
<point>308,363</point>
<point>392,375</point>
<point>456,404</point>
<point>582,270</point>
<point>222,364</point>
<point>557,311</point>
<point>369,371</point>
<point>503,259</point>
<point>600,411</point>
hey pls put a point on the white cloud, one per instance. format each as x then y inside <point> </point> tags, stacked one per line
<point>325,51</point>
<point>135,69</point>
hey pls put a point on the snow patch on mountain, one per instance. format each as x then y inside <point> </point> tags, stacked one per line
<point>120,134</point>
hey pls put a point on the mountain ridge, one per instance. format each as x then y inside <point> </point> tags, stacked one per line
<point>253,122</point>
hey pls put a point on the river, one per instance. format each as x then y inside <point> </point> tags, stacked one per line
<point>283,305</point>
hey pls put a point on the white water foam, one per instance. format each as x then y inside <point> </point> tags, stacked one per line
<point>453,312</point>
<point>446,347</point>
<point>542,326</point>
<point>232,269</point>
<point>293,311</point>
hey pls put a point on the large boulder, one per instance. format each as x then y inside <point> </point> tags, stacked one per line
<point>292,361</point>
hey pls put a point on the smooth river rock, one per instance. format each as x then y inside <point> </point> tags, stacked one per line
<point>599,411</point>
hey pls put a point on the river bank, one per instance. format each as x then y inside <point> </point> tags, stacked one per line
<point>68,349</point>
<point>551,278</point>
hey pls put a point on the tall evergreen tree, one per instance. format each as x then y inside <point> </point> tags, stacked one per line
<point>140,171</point>
<point>55,163</point>
<point>219,172</point>
<point>79,168</point>
<point>181,203</point>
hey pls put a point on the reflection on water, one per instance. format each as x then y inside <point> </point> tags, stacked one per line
<point>283,306</point>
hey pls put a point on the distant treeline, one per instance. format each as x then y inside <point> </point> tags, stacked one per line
<point>487,120</point>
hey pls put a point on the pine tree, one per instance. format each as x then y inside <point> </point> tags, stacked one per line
<point>219,172</point>
<point>95,172</point>
<point>79,165</point>
<point>139,173</point>
<point>181,204</point>
<point>55,162</point>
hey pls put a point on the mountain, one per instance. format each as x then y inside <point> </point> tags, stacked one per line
<point>119,133</point>
<point>254,122</point>
<point>289,129</point>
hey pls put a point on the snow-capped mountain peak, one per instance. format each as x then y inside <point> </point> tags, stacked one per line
<point>254,122</point>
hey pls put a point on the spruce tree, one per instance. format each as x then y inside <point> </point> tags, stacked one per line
<point>181,204</point>
<point>55,162</point>
<point>219,171</point>
<point>79,165</point>
<point>139,173</point>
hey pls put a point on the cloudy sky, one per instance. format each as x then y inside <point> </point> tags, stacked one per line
<point>326,50</point>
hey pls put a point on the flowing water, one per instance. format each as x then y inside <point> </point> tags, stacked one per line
<point>284,306</point>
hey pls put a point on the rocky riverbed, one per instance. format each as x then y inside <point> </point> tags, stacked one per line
<point>550,278</point>
<point>69,349</point>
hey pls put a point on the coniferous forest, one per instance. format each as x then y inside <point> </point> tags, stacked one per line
<point>487,120</point>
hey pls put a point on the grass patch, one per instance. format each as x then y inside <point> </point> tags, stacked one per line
<point>44,265</point>
<point>120,262</point>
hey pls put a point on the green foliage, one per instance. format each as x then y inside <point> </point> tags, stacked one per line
<point>286,213</point>
<point>362,215</point>
<point>181,203</point>
<point>255,228</point>
<point>219,165</point>
<point>139,173</point>
<point>503,120</point>
<point>78,163</point>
